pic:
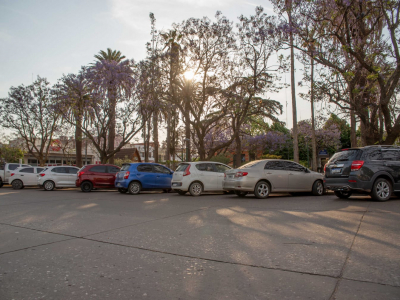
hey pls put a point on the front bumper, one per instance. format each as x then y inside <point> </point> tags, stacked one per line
<point>350,183</point>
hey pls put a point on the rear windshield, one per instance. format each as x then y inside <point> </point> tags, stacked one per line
<point>181,168</point>
<point>125,167</point>
<point>346,155</point>
<point>251,164</point>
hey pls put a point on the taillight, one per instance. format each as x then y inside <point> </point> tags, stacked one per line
<point>80,173</point>
<point>224,175</point>
<point>241,174</point>
<point>42,174</point>
<point>325,168</point>
<point>356,165</point>
<point>187,172</point>
<point>12,174</point>
<point>126,176</point>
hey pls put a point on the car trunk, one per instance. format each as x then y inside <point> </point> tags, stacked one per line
<point>178,174</point>
<point>339,165</point>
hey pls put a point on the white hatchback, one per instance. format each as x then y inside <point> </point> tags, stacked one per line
<point>198,177</point>
<point>56,177</point>
<point>24,176</point>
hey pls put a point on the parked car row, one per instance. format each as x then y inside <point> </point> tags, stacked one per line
<point>374,170</point>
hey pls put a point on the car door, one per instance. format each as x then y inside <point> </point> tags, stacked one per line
<point>163,177</point>
<point>220,170</point>
<point>111,174</point>
<point>208,176</point>
<point>28,176</point>
<point>391,160</point>
<point>146,175</point>
<point>60,176</point>
<point>277,174</point>
<point>299,179</point>
<point>98,175</point>
<point>9,169</point>
<point>72,171</point>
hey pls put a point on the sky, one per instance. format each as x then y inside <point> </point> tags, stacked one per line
<point>49,38</point>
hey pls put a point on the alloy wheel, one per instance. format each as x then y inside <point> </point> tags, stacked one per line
<point>382,189</point>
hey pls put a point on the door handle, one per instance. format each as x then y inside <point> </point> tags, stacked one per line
<point>269,173</point>
<point>22,175</point>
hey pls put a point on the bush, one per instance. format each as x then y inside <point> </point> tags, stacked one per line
<point>221,158</point>
<point>271,156</point>
<point>119,162</point>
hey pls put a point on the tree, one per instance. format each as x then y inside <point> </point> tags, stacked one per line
<point>10,154</point>
<point>28,111</point>
<point>110,57</point>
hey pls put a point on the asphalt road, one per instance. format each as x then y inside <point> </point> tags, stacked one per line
<point>66,244</point>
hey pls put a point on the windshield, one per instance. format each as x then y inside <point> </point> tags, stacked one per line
<point>251,164</point>
<point>346,155</point>
<point>181,168</point>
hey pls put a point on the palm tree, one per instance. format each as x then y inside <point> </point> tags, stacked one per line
<point>110,56</point>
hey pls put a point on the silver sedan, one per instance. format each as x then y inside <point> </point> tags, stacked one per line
<point>261,177</point>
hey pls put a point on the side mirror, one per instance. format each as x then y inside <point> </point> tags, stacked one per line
<point>306,170</point>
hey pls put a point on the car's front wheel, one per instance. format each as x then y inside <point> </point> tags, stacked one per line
<point>86,186</point>
<point>134,188</point>
<point>262,190</point>
<point>241,194</point>
<point>342,195</point>
<point>382,190</point>
<point>318,188</point>
<point>195,189</point>
<point>17,184</point>
<point>49,185</point>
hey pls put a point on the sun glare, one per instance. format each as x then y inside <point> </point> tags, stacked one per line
<point>188,75</point>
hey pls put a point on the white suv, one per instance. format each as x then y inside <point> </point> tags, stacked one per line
<point>55,177</point>
<point>197,177</point>
<point>25,176</point>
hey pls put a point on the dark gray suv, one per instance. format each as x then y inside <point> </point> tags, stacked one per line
<point>372,169</point>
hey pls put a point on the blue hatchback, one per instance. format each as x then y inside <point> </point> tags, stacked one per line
<point>136,177</point>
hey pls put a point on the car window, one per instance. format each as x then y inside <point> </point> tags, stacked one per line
<point>145,168</point>
<point>181,168</point>
<point>291,166</point>
<point>72,170</point>
<point>59,170</point>
<point>12,166</point>
<point>1,167</point>
<point>38,170</point>
<point>221,168</point>
<point>27,170</point>
<point>275,165</point>
<point>161,169</point>
<point>125,167</point>
<point>372,154</point>
<point>391,154</point>
<point>252,164</point>
<point>205,167</point>
<point>98,169</point>
<point>112,169</point>
<point>345,155</point>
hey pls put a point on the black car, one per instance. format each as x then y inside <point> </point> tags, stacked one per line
<point>372,169</point>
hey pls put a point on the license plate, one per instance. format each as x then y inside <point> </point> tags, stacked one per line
<point>118,184</point>
<point>336,171</point>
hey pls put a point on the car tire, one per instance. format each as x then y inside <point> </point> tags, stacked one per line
<point>86,186</point>
<point>381,190</point>
<point>262,190</point>
<point>1,183</point>
<point>17,184</point>
<point>241,194</point>
<point>48,185</point>
<point>134,188</point>
<point>167,190</point>
<point>122,190</point>
<point>342,195</point>
<point>182,193</point>
<point>318,188</point>
<point>195,189</point>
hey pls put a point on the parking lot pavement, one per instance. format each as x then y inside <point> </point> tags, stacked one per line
<point>67,244</point>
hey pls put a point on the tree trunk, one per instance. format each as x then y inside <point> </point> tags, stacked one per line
<point>168,137</point>
<point>363,134</point>
<point>111,130</point>
<point>238,150</point>
<point>313,139</point>
<point>187,130</point>
<point>155,136</point>
<point>292,83</point>
<point>78,143</point>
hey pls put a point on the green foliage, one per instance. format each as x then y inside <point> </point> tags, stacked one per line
<point>120,161</point>
<point>221,158</point>
<point>11,154</point>
<point>344,129</point>
<point>271,156</point>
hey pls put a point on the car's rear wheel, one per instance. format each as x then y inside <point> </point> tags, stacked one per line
<point>342,195</point>
<point>86,186</point>
<point>17,184</point>
<point>318,188</point>
<point>382,190</point>
<point>134,188</point>
<point>49,185</point>
<point>182,193</point>
<point>241,194</point>
<point>1,183</point>
<point>262,190</point>
<point>195,189</point>
<point>122,190</point>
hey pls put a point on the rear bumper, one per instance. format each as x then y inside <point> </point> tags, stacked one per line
<point>237,185</point>
<point>351,183</point>
<point>121,184</point>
